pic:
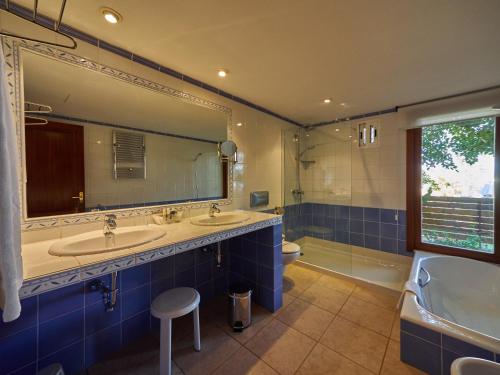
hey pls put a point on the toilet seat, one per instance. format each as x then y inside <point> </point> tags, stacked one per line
<point>290,247</point>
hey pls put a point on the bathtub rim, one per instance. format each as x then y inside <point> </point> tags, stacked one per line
<point>413,312</point>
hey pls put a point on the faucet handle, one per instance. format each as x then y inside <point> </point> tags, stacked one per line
<point>110,216</point>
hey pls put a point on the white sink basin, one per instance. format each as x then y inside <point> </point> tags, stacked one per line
<point>226,218</point>
<point>474,366</point>
<point>95,242</point>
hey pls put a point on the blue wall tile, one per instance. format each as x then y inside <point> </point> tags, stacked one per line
<point>160,286</point>
<point>97,318</point>
<point>372,242</point>
<point>28,318</point>
<point>356,226</point>
<point>70,357</point>
<point>162,268</point>
<point>371,214</point>
<point>135,276</point>
<point>421,354</point>
<point>372,228</point>
<point>18,350</point>
<point>448,358</point>
<point>184,261</point>
<point>135,301</point>
<point>422,332</point>
<point>26,370</point>
<point>135,327</point>
<point>402,232</point>
<point>357,213</point>
<point>389,245</point>
<point>60,332</point>
<point>388,216</point>
<point>185,278</point>
<point>61,301</point>
<point>388,230</point>
<point>100,345</point>
<point>357,239</point>
<point>465,349</point>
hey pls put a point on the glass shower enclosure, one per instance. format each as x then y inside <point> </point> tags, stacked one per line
<point>319,214</point>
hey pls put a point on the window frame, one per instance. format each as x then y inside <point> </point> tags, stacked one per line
<point>414,201</point>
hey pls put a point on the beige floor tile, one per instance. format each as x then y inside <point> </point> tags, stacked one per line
<point>337,283</point>
<point>396,328</point>
<point>216,347</point>
<point>359,344</point>
<point>324,297</point>
<point>244,362</point>
<point>393,366</point>
<point>297,279</point>
<point>281,347</point>
<point>306,318</point>
<point>377,296</point>
<point>368,315</point>
<point>260,318</point>
<point>323,361</point>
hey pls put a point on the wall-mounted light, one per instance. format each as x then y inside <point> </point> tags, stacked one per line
<point>111,15</point>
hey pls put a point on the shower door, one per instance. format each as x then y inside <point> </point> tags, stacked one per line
<point>317,194</point>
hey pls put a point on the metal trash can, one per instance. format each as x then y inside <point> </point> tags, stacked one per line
<point>240,307</point>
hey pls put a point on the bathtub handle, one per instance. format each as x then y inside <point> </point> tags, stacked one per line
<point>422,283</point>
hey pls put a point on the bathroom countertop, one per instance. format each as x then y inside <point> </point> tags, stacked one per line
<point>38,263</point>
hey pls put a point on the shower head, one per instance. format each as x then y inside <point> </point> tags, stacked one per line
<point>307,149</point>
<point>197,156</point>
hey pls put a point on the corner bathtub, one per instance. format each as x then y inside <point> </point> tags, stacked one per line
<point>454,312</point>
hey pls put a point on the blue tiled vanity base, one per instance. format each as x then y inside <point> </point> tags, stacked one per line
<point>256,259</point>
<point>374,228</point>
<point>70,326</point>
<point>433,352</point>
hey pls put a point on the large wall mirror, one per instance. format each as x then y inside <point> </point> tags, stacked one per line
<point>108,143</point>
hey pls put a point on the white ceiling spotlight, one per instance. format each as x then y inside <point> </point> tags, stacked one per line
<point>111,15</point>
<point>239,124</point>
<point>222,73</point>
<point>327,101</point>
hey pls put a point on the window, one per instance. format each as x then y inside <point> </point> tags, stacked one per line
<point>451,173</point>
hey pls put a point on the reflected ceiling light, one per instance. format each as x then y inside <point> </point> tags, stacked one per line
<point>239,124</point>
<point>343,104</point>
<point>222,73</point>
<point>337,130</point>
<point>111,16</point>
<point>327,100</point>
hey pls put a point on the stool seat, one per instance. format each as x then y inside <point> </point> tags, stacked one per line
<point>175,303</point>
<point>170,305</point>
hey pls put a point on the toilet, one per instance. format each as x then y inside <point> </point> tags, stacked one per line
<point>290,251</point>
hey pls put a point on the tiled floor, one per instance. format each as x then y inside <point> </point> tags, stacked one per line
<point>327,325</point>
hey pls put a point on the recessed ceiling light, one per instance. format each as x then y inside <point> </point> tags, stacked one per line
<point>337,130</point>
<point>239,124</point>
<point>343,104</point>
<point>222,73</point>
<point>327,100</point>
<point>111,16</point>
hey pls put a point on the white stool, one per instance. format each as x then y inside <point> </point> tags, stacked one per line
<point>170,305</point>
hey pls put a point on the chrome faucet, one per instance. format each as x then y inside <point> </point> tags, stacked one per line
<point>213,209</point>
<point>109,225</point>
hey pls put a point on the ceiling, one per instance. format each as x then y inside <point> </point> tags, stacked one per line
<point>289,55</point>
<point>88,95</point>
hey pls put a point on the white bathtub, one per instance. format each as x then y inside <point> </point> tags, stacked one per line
<point>461,299</point>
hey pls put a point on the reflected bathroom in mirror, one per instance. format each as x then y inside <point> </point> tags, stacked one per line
<point>110,144</point>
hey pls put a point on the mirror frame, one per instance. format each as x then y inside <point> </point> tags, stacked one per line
<point>13,50</point>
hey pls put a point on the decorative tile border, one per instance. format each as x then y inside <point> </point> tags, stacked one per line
<point>61,279</point>
<point>13,65</point>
